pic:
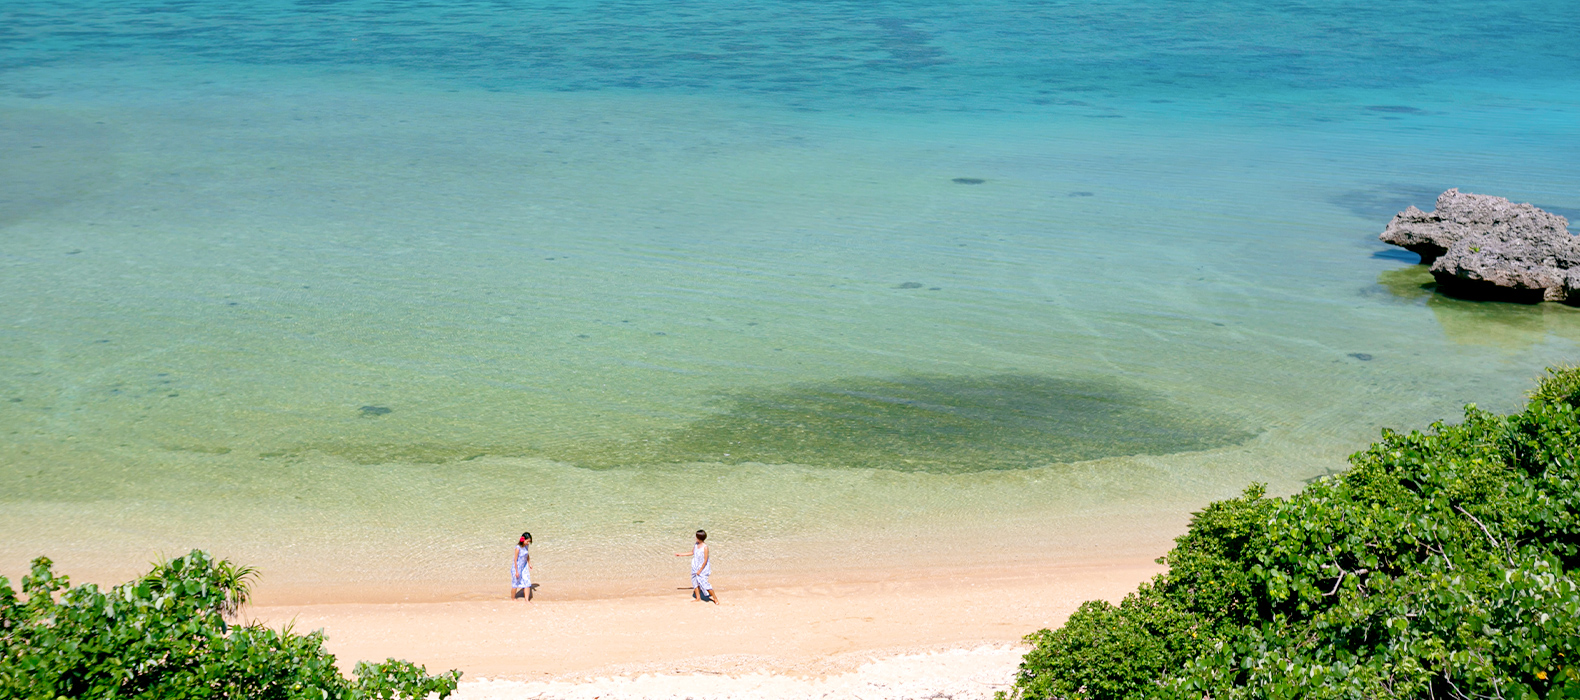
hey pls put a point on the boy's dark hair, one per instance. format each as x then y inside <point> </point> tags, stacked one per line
<point>702,535</point>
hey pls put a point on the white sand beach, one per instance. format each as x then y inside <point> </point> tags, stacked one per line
<point>934,633</point>
<point>957,674</point>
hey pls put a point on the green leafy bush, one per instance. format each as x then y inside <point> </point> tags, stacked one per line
<point>165,636</point>
<point>1441,565</point>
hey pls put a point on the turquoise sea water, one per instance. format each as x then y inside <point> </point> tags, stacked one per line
<point>358,290</point>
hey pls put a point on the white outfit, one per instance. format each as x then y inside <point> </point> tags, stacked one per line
<point>701,567</point>
<point>520,573</point>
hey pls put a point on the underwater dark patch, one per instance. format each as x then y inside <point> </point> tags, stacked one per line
<point>375,410</point>
<point>968,181</point>
<point>944,424</point>
<point>1411,284</point>
<point>926,423</point>
<point>1478,290</point>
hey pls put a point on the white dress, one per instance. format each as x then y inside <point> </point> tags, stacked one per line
<point>520,574</point>
<point>701,567</point>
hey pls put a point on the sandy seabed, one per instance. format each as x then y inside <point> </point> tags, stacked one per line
<point>935,633</point>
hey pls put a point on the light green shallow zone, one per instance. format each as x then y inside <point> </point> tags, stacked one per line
<point>231,320</point>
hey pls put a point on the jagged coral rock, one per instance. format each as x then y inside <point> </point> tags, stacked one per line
<point>1460,214</point>
<point>1486,246</point>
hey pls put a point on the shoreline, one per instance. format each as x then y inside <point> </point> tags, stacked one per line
<point>816,635</point>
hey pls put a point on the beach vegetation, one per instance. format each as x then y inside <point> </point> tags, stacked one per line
<point>1442,564</point>
<point>170,634</point>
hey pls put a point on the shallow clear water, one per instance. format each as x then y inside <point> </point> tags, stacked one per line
<point>358,290</point>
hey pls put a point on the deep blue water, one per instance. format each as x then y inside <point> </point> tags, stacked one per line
<point>824,55</point>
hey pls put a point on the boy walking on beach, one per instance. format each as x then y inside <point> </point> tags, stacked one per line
<point>701,568</point>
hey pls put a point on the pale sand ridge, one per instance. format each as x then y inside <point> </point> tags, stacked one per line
<point>956,674</point>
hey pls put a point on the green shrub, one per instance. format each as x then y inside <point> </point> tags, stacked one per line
<point>1441,565</point>
<point>165,636</point>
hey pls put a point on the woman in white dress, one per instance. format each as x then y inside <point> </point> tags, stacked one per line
<point>521,573</point>
<point>701,569</point>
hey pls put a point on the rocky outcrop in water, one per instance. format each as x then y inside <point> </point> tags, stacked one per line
<point>1488,247</point>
